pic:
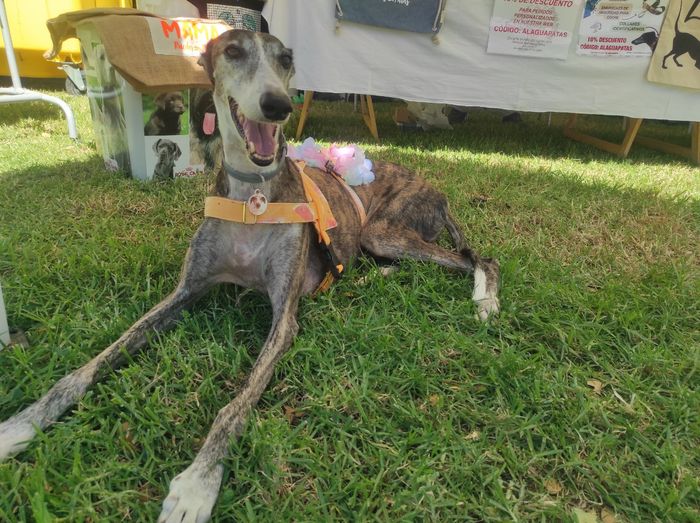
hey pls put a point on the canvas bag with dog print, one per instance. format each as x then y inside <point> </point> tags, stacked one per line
<point>678,48</point>
<point>418,16</point>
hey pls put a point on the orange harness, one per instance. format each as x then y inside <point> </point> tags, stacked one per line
<point>316,210</point>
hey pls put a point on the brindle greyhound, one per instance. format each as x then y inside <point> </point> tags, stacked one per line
<point>404,216</point>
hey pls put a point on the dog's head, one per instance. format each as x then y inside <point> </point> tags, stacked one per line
<point>250,73</point>
<point>650,38</point>
<point>171,102</point>
<point>167,150</point>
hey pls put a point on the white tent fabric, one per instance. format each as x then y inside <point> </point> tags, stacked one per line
<point>370,60</point>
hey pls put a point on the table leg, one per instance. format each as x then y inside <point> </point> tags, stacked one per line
<point>692,153</point>
<point>368,115</point>
<point>621,149</point>
<point>308,96</point>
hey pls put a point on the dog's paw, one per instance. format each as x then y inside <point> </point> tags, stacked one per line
<point>192,495</point>
<point>14,437</point>
<point>487,308</point>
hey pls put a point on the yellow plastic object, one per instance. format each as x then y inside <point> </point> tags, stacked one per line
<point>30,38</point>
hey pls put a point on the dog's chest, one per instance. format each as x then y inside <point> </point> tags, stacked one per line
<point>246,250</point>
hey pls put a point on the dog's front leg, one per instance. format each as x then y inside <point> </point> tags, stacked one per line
<point>17,431</point>
<point>194,491</point>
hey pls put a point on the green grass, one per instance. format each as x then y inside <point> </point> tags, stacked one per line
<point>394,403</point>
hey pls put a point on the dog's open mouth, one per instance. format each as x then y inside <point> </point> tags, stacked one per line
<point>261,139</point>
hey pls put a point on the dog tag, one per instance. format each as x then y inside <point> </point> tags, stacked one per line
<point>257,203</point>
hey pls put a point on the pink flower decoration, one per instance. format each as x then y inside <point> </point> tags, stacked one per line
<point>349,160</point>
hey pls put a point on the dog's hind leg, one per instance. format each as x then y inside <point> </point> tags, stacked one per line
<point>381,239</point>
<point>17,431</point>
<point>194,491</point>
<point>663,62</point>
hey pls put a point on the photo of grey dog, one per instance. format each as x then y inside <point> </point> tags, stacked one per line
<point>168,152</point>
<point>404,217</point>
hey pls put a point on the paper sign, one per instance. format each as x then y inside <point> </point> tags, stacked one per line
<point>620,27</point>
<point>183,36</point>
<point>539,28</point>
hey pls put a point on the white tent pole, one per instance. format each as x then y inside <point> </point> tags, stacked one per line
<point>17,93</point>
<point>4,329</point>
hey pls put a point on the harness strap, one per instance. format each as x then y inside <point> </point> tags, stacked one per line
<point>325,216</point>
<point>316,211</point>
<point>359,207</point>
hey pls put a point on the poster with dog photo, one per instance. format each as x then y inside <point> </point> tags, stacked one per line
<point>166,114</point>
<point>105,96</point>
<point>620,27</point>
<point>168,157</point>
<point>676,60</point>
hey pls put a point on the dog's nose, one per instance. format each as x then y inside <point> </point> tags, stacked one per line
<point>274,106</point>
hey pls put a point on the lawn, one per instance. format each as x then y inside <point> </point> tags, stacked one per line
<point>394,403</point>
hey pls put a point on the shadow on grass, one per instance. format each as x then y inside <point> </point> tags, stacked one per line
<point>483,132</point>
<point>514,214</point>
<point>17,112</point>
<point>87,252</point>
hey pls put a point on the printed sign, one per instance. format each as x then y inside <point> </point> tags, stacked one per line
<point>620,27</point>
<point>182,36</point>
<point>539,28</point>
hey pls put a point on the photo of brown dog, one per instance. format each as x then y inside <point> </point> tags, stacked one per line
<point>166,112</point>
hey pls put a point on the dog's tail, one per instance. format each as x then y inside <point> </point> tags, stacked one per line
<point>455,232</point>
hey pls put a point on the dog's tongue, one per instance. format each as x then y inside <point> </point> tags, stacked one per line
<point>209,123</point>
<point>262,135</point>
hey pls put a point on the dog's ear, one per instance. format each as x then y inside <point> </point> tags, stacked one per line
<point>177,152</point>
<point>156,145</point>
<point>160,100</point>
<point>206,62</point>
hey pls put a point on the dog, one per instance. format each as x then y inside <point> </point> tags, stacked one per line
<point>650,38</point>
<point>165,120</point>
<point>205,138</point>
<point>683,43</point>
<point>404,217</point>
<point>168,152</point>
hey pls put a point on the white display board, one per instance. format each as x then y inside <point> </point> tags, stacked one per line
<point>369,60</point>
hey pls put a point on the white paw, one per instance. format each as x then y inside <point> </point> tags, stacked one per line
<point>14,437</point>
<point>192,495</point>
<point>487,307</point>
<point>384,271</point>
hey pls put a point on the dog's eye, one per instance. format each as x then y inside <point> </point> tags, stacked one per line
<point>286,61</point>
<point>234,52</point>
